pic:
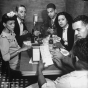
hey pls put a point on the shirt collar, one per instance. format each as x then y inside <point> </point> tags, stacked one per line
<point>66,27</point>
<point>5,34</point>
<point>19,21</point>
<point>54,18</point>
<point>80,73</point>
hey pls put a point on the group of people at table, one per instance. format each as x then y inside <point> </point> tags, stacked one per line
<point>14,32</point>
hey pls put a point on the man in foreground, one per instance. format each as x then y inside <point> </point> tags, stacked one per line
<point>75,79</point>
<point>80,25</point>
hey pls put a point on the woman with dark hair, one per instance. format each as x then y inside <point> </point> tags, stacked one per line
<point>1,27</point>
<point>8,44</point>
<point>64,29</point>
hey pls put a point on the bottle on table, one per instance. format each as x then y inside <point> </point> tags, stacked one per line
<point>51,39</point>
<point>33,37</point>
<point>51,42</point>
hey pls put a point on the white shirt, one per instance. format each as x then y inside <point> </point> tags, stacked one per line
<point>75,79</point>
<point>21,26</point>
<point>64,35</point>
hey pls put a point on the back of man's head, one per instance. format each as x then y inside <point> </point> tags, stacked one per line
<point>82,18</point>
<point>80,50</point>
<point>51,5</point>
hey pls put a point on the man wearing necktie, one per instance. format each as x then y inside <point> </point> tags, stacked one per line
<point>20,30</point>
<point>49,26</point>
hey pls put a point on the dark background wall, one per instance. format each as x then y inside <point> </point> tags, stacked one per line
<point>74,7</point>
<point>77,7</point>
<point>33,7</point>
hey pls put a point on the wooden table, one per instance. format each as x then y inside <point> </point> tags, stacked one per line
<point>31,69</point>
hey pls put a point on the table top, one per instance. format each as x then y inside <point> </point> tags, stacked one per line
<point>29,69</point>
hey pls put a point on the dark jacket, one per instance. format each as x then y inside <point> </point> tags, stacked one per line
<point>70,37</point>
<point>21,38</point>
<point>44,27</point>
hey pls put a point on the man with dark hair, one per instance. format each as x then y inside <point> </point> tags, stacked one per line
<point>48,26</point>
<point>20,28</point>
<point>80,26</point>
<point>51,5</point>
<point>75,79</point>
<point>77,60</point>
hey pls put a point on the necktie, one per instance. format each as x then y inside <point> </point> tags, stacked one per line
<point>21,28</point>
<point>52,23</point>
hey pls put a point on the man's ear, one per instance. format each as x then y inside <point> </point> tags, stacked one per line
<point>55,11</point>
<point>77,58</point>
<point>4,24</point>
<point>16,13</point>
<point>87,26</point>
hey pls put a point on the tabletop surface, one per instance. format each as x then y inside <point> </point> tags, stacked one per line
<point>31,68</point>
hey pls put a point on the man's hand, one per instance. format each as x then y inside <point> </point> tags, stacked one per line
<point>50,30</point>
<point>36,33</point>
<point>57,62</point>
<point>40,65</point>
<point>25,32</point>
<point>41,78</point>
<point>57,54</point>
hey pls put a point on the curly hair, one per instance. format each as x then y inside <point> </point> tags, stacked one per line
<point>67,16</point>
<point>80,49</point>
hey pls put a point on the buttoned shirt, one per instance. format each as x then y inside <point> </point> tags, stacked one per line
<point>8,45</point>
<point>21,26</point>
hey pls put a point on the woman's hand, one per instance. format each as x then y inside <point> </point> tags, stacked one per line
<point>24,48</point>
<point>50,30</point>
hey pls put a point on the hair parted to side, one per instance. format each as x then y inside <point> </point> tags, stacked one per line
<point>82,18</point>
<point>17,7</point>
<point>51,5</point>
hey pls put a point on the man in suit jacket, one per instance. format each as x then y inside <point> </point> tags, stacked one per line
<point>49,24</point>
<point>20,29</point>
<point>80,26</point>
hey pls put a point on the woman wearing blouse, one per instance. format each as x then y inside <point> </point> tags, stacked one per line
<point>64,29</point>
<point>8,44</point>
